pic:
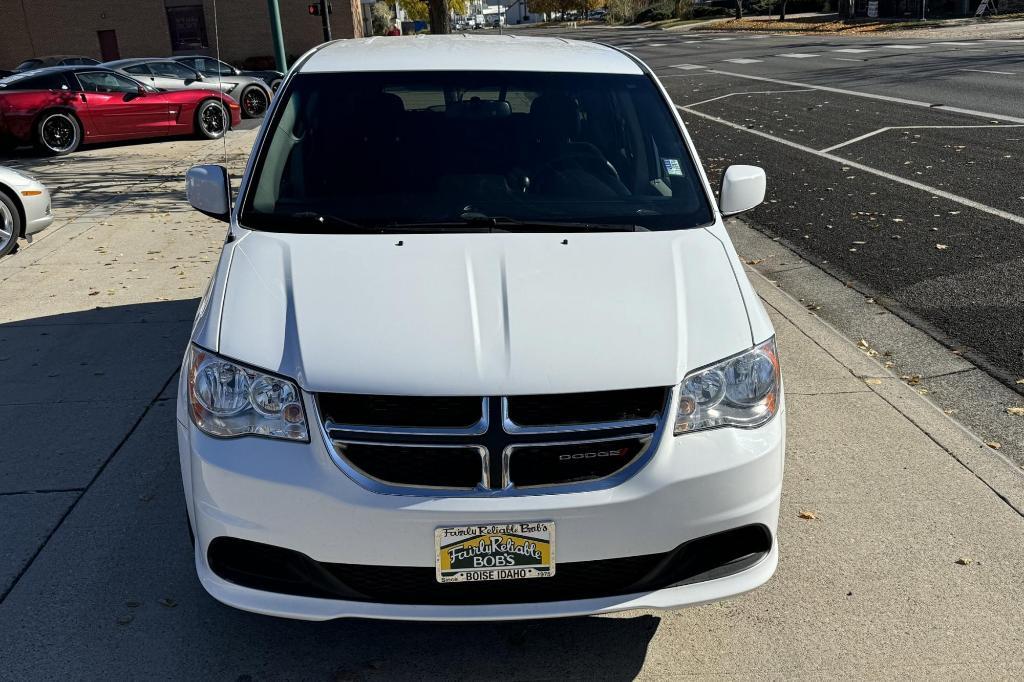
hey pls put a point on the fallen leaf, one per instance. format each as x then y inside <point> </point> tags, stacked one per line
<point>863,344</point>
<point>941,247</point>
<point>1020,382</point>
<point>873,382</point>
<point>994,444</point>
<point>808,515</point>
<point>1015,411</point>
<point>168,602</point>
<point>964,561</point>
<point>912,379</point>
<point>755,261</point>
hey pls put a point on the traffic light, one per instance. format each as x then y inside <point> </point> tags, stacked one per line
<point>314,9</point>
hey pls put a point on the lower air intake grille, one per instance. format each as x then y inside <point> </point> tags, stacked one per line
<point>275,569</point>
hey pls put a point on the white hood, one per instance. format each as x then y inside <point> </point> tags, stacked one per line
<point>481,314</point>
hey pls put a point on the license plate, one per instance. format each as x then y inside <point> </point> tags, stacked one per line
<point>498,551</point>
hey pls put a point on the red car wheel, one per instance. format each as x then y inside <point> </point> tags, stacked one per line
<point>58,132</point>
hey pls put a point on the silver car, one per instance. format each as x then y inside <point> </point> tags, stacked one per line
<point>167,74</point>
<point>24,208</point>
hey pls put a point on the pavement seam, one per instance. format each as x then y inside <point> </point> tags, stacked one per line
<point>47,491</point>
<point>99,472</point>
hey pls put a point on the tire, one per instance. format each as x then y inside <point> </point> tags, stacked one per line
<point>254,101</point>
<point>10,225</point>
<point>212,120</point>
<point>58,133</point>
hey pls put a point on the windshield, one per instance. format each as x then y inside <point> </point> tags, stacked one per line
<point>351,151</point>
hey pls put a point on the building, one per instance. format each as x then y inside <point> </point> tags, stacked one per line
<point>113,29</point>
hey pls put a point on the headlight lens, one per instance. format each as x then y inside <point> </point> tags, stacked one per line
<point>739,391</point>
<point>228,399</point>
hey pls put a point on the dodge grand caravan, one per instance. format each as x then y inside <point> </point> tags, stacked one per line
<point>478,346</point>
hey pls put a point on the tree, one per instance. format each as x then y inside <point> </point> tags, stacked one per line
<point>739,9</point>
<point>437,12</point>
<point>782,11</point>
<point>440,17</point>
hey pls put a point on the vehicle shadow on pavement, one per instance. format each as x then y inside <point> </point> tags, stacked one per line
<point>97,578</point>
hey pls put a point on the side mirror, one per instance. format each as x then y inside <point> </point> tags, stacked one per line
<point>141,91</point>
<point>208,189</point>
<point>199,77</point>
<point>742,189</point>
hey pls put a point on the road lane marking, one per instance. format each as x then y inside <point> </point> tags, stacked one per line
<point>723,39</point>
<point>656,44</point>
<point>868,95</point>
<point>1001,73</point>
<point>848,59</point>
<point>963,201</point>
<point>955,44</point>
<point>748,92</point>
<point>745,61</point>
<point>687,67</point>
<point>882,130</point>
<point>904,47</point>
<point>853,50</point>
<point>797,55</point>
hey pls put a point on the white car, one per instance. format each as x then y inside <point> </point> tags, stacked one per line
<point>24,208</point>
<point>524,377</point>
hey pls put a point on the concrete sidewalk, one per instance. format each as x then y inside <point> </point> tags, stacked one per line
<point>912,565</point>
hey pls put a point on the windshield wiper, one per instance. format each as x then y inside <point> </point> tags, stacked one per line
<point>525,225</point>
<point>324,219</point>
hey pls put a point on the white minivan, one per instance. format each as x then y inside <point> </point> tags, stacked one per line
<point>519,376</point>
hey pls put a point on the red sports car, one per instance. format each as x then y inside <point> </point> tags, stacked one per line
<point>60,108</point>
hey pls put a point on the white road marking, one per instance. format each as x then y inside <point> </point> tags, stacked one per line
<point>964,201</point>
<point>882,130</point>
<point>853,50</point>
<point>797,55</point>
<point>750,92</point>
<point>904,47</point>
<point>848,59</point>
<point>745,61</point>
<point>869,95</point>
<point>656,44</point>
<point>1001,73</point>
<point>723,39</point>
<point>687,67</point>
<point>955,44</point>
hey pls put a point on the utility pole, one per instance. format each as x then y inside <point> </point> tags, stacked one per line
<point>278,37</point>
<point>325,19</point>
<point>922,9</point>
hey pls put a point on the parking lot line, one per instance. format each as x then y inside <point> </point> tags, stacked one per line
<point>904,47</point>
<point>745,92</point>
<point>745,61</point>
<point>853,50</point>
<point>797,55</point>
<point>687,67</point>
<point>963,201</point>
<point>871,95</point>
<point>955,44</point>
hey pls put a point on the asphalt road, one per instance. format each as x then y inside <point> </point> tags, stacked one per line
<point>893,165</point>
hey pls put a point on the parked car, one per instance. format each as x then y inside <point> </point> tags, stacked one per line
<point>415,363</point>
<point>62,107</point>
<point>54,60</point>
<point>167,74</point>
<point>208,66</point>
<point>24,208</point>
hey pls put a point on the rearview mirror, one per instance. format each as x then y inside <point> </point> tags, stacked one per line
<point>742,189</point>
<point>208,189</point>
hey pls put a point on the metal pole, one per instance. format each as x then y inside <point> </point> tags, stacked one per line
<point>922,10</point>
<point>278,37</point>
<point>325,19</point>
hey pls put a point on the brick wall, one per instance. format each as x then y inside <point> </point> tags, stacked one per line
<point>41,27</point>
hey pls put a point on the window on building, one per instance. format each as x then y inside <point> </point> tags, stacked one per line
<point>188,27</point>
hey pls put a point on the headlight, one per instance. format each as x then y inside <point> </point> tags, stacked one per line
<point>739,391</point>
<point>228,399</point>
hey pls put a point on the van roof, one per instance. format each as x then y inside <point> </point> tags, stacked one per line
<point>462,52</point>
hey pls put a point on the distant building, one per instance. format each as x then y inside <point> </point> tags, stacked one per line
<point>113,29</point>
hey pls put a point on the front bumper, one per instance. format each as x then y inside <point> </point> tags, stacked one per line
<point>292,495</point>
<point>38,209</point>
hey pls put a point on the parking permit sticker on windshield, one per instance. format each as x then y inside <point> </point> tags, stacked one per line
<point>672,166</point>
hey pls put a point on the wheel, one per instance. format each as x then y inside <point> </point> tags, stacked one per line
<point>254,101</point>
<point>211,120</point>
<point>58,132</point>
<point>10,225</point>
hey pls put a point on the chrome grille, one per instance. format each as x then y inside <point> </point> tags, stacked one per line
<point>481,446</point>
